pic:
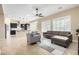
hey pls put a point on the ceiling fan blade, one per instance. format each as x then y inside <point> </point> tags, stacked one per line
<point>40,15</point>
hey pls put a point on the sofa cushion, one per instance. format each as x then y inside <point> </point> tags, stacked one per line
<point>60,37</point>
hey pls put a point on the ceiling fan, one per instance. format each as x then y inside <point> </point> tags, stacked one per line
<point>38,14</point>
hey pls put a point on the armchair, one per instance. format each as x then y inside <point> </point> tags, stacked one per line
<point>33,37</point>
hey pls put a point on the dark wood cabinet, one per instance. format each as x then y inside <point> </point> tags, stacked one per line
<point>13,25</point>
<point>25,26</point>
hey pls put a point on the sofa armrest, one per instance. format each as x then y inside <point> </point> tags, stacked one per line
<point>70,37</point>
<point>67,35</point>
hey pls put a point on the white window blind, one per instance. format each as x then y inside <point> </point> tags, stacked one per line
<point>62,24</point>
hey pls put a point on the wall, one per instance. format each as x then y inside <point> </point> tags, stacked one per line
<point>7,22</point>
<point>2,25</point>
<point>74,13</point>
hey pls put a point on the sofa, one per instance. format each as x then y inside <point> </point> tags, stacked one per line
<point>33,37</point>
<point>61,38</point>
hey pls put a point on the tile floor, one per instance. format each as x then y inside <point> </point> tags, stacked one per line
<point>17,45</point>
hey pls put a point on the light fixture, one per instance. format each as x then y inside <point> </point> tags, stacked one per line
<point>38,14</point>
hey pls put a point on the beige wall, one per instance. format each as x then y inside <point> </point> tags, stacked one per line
<point>2,25</point>
<point>74,13</point>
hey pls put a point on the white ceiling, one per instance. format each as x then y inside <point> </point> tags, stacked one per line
<point>27,11</point>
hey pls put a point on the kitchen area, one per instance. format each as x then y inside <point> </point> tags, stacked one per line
<point>16,29</point>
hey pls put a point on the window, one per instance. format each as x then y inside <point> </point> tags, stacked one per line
<point>33,26</point>
<point>46,25</point>
<point>62,24</point>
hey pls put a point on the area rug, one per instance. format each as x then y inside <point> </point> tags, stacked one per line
<point>49,49</point>
<point>52,48</point>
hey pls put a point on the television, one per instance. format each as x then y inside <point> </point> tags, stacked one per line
<point>13,25</point>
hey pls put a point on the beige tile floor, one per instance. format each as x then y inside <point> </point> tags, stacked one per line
<point>17,45</point>
<point>20,47</point>
<point>73,49</point>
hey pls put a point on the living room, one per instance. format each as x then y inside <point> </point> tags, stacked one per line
<point>47,24</point>
<point>52,25</point>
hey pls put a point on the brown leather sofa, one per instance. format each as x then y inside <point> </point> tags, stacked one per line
<point>58,41</point>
